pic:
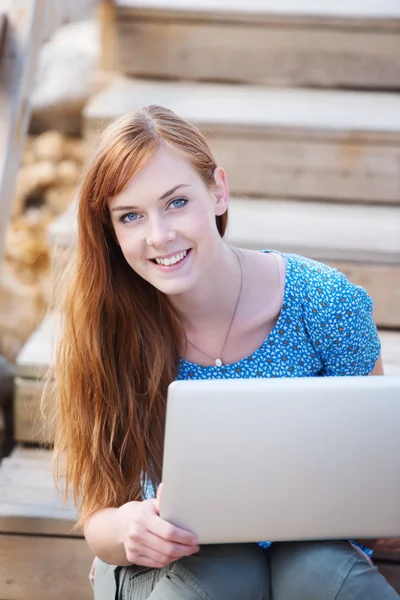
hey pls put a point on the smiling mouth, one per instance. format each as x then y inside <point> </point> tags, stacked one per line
<point>171,260</point>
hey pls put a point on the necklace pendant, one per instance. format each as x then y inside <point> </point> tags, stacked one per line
<point>218,362</point>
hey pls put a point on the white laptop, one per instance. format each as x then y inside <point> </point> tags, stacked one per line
<point>283,459</point>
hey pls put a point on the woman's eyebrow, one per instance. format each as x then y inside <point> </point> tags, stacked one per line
<point>168,193</point>
<point>173,190</point>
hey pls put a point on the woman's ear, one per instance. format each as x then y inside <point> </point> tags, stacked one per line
<point>221,191</point>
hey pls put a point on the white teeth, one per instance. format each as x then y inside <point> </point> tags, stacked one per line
<point>171,260</point>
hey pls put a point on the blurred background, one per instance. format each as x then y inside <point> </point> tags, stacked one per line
<point>300,101</point>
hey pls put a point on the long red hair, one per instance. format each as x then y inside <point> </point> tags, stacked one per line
<point>120,339</point>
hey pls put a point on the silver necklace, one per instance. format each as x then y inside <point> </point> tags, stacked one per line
<point>218,360</point>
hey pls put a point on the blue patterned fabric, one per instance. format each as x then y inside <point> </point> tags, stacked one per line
<point>325,328</point>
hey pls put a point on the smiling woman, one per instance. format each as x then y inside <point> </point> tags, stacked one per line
<point>155,294</point>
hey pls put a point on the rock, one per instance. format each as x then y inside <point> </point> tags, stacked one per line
<point>49,146</point>
<point>28,156</point>
<point>59,198</point>
<point>26,248</point>
<point>65,77</point>
<point>67,173</point>
<point>75,149</point>
<point>31,179</point>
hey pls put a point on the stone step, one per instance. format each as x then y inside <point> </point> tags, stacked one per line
<point>361,241</point>
<point>321,144</point>
<point>40,553</point>
<point>308,43</point>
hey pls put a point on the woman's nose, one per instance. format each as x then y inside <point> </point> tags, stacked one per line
<point>159,233</point>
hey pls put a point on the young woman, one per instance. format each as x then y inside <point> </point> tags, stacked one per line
<point>156,294</point>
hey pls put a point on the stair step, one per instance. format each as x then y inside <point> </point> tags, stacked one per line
<point>40,554</point>
<point>319,230</point>
<point>281,142</point>
<point>30,425</point>
<point>361,241</point>
<point>317,43</point>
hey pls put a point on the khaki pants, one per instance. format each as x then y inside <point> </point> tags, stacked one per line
<point>286,571</point>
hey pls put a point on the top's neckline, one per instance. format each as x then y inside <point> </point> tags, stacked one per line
<point>272,334</point>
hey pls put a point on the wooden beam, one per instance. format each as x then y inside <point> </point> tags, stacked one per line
<point>44,567</point>
<point>312,144</point>
<point>108,34</point>
<point>274,54</point>
<point>20,50</point>
<point>354,14</point>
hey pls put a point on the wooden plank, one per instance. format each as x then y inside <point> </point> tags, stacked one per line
<point>279,55</point>
<point>319,230</point>
<point>228,108</point>
<point>21,45</point>
<point>35,357</point>
<point>28,454</point>
<point>358,13</point>
<point>44,567</point>
<point>337,235</point>
<point>31,520</point>
<point>29,500</point>
<point>27,430</point>
<point>29,423</point>
<point>108,34</point>
<point>290,143</point>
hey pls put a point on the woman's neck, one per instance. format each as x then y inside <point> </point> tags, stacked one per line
<point>215,296</point>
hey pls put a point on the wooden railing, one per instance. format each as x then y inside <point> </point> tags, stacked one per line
<point>24,25</point>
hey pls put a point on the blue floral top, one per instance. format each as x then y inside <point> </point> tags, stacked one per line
<point>325,328</point>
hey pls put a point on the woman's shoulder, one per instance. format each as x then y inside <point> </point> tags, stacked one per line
<point>314,279</point>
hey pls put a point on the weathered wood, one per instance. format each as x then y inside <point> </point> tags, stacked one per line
<point>319,230</point>
<point>33,520</point>
<point>291,55</point>
<point>293,143</point>
<point>20,49</point>
<point>35,358</point>
<point>108,35</point>
<point>28,454</point>
<point>358,13</point>
<point>29,423</point>
<point>29,501</point>
<point>44,567</point>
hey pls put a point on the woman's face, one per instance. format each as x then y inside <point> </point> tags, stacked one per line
<point>164,221</point>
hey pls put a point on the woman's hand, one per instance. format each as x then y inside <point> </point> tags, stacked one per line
<point>150,541</point>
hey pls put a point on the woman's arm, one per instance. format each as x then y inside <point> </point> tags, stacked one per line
<point>378,368</point>
<point>136,534</point>
<point>103,535</point>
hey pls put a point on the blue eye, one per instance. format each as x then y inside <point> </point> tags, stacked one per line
<point>178,202</point>
<point>129,217</point>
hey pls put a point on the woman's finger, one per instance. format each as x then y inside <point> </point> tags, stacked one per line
<point>169,532</point>
<point>172,550</point>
